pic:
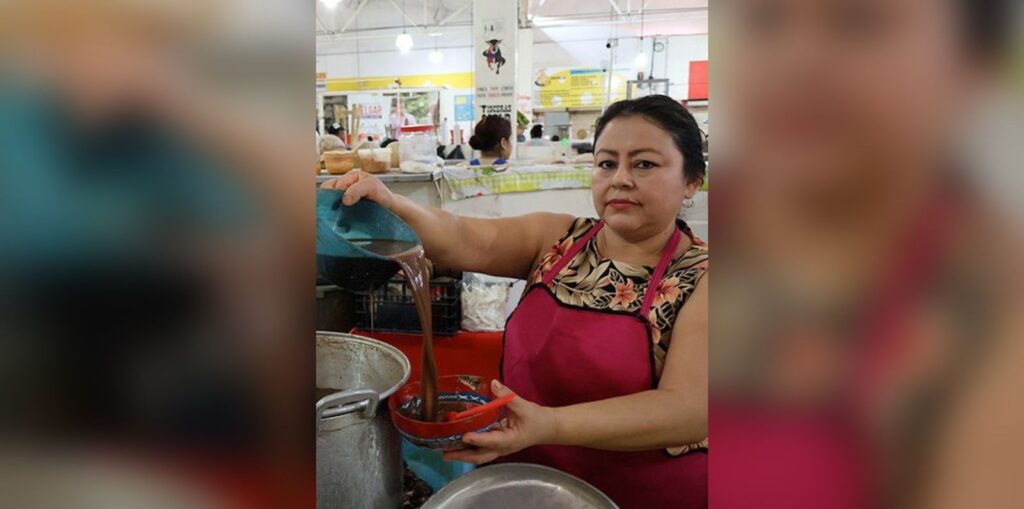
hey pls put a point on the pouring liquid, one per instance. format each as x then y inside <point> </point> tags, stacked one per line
<point>410,257</point>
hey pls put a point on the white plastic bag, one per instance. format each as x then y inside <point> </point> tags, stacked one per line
<point>484,301</point>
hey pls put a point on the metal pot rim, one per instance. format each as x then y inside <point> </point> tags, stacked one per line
<point>538,474</point>
<point>406,366</point>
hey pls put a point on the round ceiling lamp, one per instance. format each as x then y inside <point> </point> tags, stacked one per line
<point>404,42</point>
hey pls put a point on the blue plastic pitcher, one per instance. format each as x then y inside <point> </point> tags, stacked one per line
<point>353,242</point>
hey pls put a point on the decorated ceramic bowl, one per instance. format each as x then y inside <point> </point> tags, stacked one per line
<point>455,393</point>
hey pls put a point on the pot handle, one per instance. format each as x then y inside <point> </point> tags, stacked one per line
<point>346,402</point>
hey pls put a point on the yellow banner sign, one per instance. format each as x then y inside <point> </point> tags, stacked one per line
<point>453,80</point>
<point>575,88</point>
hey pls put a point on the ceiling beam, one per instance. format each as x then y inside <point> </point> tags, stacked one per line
<point>615,6</point>
<point>324,26</point>
<point>389,31</point>
<point>354,14</point>
<point>458,11</point>
<point>405,15</point>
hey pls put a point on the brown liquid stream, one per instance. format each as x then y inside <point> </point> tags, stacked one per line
<point>409,256</point>
<point>417,272</point>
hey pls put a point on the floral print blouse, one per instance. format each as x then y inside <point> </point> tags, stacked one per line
<point>594,282</point>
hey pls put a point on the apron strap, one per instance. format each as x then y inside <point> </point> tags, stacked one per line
<point>572,252</point>
<point>659,272</point>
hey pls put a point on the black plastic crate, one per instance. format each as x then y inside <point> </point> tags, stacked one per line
<point>389,308</point>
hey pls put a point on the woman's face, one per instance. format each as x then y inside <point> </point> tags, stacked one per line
<point>842,94</point>
<point>638,185</point>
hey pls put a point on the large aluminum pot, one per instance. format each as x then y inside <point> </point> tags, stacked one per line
<point>358,450</point>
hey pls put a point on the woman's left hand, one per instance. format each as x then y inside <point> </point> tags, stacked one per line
<point>528,424</point>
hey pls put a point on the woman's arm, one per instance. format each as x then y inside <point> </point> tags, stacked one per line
<point>502,247</point>
<point>674,414</point>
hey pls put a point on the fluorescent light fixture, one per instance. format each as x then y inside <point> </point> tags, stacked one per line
<point>436,57</point>
<point>330,4</point>
<point>404,43</point>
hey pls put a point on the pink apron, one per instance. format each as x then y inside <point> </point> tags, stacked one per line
<point>558,355</point>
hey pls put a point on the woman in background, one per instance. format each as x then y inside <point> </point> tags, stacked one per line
<point>492,136</point>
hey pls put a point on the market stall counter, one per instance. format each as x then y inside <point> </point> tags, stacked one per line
<point>391,177</point>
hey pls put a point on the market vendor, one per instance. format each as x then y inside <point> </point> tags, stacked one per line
<point>607,350</point>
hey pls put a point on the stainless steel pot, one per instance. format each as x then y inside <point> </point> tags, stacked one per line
<point>358,450</point>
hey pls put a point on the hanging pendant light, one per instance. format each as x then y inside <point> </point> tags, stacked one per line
<point>404,41</point>
<point>436,57</point>
<point>641,58</point>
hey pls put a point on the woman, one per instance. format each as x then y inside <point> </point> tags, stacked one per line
<point>609,364</point>
<point>492,136</point>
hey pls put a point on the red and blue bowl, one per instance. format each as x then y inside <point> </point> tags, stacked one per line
<point>461,391</point>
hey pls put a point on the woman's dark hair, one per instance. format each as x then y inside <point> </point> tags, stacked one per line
<point>489,132</point>
<point>671,116</point>
<point>537,131</point>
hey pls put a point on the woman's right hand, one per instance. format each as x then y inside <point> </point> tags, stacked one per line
<point>358,185</point>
